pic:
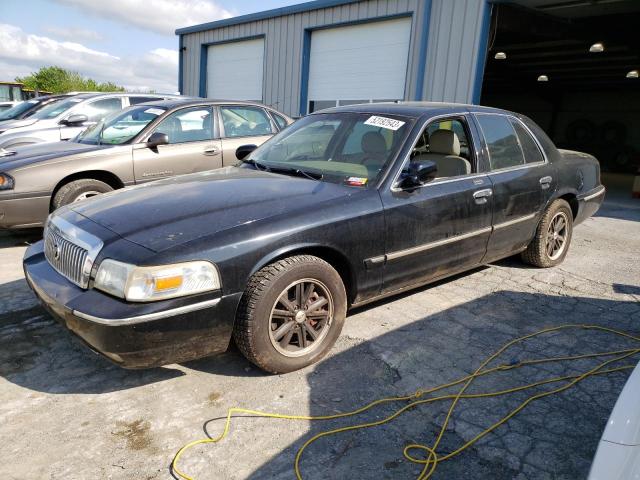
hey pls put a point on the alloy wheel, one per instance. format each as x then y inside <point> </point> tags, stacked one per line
<point>557,235</point>
<point>85,195</point>
<point>301,318</point>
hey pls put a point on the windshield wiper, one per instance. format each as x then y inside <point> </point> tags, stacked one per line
<point>310,175</point>
<point>258,165</point>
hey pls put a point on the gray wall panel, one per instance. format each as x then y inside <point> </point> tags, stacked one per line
<point>453,46</point>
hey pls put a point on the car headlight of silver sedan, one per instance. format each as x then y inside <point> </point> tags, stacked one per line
<point>147,284</point>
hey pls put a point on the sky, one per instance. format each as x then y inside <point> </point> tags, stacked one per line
<point>129,42</point>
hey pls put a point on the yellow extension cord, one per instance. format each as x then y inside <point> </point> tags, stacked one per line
<point>430,458</point>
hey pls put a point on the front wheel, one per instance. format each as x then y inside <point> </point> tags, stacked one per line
<point>79,190</point>
<point>291,314</point>
<point>553,236</point>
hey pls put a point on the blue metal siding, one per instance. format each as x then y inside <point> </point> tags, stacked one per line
<point>481,60</point>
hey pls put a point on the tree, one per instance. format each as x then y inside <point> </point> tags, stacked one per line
<point>58,80</point>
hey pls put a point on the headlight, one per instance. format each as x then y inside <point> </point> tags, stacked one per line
<point>6,182</point>
<point>146,284</point>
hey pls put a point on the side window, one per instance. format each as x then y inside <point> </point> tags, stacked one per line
<point>99,109</point>
<point>446,143</point>
<point>532,153</point>
<point>245,121</point>
<point>504,149</point>
<point>137,100</point>
<point>188,125</point>
<point>280,120</point>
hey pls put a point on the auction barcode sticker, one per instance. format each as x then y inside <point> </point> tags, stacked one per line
<point>384,122</point>
<point>154,111</point>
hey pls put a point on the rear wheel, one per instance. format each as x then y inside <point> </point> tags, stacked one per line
<point>291,314</point>
<point>553,236</point>
<point>79,190</point>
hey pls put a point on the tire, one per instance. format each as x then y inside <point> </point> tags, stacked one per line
<point>258,333</point>
<point>539,252</point>
<point>74,191</point>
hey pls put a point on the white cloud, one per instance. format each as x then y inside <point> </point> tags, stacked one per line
<point>161,16</point>
<point>73,33</point>
<point>22,53</point>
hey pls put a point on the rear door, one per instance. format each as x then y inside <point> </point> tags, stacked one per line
<point>521,179</point>
<point>243,125</point>
<point>193,146</point>
<point>442,226</point>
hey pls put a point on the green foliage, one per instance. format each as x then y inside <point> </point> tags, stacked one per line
<point>58,80</point>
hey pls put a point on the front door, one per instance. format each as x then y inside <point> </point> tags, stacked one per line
<point>243,125</point>
<point>444,225</point>
<point>522,181</point>
<point>192,147</point>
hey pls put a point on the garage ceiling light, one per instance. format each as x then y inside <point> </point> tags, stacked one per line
<point>543,78</point>
<point>596,48</point>
<point>500,56</point>
<point>632,74</point>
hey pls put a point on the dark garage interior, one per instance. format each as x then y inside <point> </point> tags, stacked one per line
<point>572,66</point>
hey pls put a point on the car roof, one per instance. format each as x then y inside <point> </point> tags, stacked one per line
<point>87,95</point>
<point>411,109</point>
<point>186,101</point>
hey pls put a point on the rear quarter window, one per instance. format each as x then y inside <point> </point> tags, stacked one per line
<point>502,142</point>
<point>530,149</point>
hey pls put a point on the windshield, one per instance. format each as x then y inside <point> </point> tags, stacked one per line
<point>54,109</point>
<point>19,109</point>
<point>351,148</point>
<point>121,126</point>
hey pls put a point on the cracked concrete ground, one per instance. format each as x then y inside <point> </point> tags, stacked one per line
<point>66,413</point>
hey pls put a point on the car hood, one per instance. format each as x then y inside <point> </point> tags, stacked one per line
<point>171,212</point>
<point>8,124</point>
<point>12,158</point>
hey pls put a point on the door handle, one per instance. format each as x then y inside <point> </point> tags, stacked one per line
<point>481,196</point>
<point>211,151</point>
<point>545,182</point>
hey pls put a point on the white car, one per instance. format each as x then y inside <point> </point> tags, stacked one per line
<point>618,455</point>
<point>68,117</point>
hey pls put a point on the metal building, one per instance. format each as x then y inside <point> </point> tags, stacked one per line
<point>326,52</point>
<point>571,65</point>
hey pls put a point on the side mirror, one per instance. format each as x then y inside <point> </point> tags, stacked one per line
<point>243,151</point>
<point>420,172</point>
<point>157,138</point>
<point>77,119</point>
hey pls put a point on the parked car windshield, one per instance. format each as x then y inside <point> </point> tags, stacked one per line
<point>18,109</point>
<point>121,126</point>
<point>56,108</point>
<point>353,148</point>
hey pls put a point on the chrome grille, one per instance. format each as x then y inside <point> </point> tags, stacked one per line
<point>68,259</point>
<point>70,251</point>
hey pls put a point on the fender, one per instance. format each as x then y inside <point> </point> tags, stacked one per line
<point>317,249</point>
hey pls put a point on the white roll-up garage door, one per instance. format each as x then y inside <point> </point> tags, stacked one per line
<point>234,70</point>
<point>359,63</point>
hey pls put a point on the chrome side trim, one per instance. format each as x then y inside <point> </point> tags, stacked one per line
<point>514,221</point>
<point>439,243</point>
<point>594,195</point>
<point>114,322</point>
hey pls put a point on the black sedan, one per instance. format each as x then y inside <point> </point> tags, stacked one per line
<point>343,207</point>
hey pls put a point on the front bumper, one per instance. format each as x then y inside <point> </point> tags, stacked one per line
<point>134,335</point>
<point>18,211</point>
